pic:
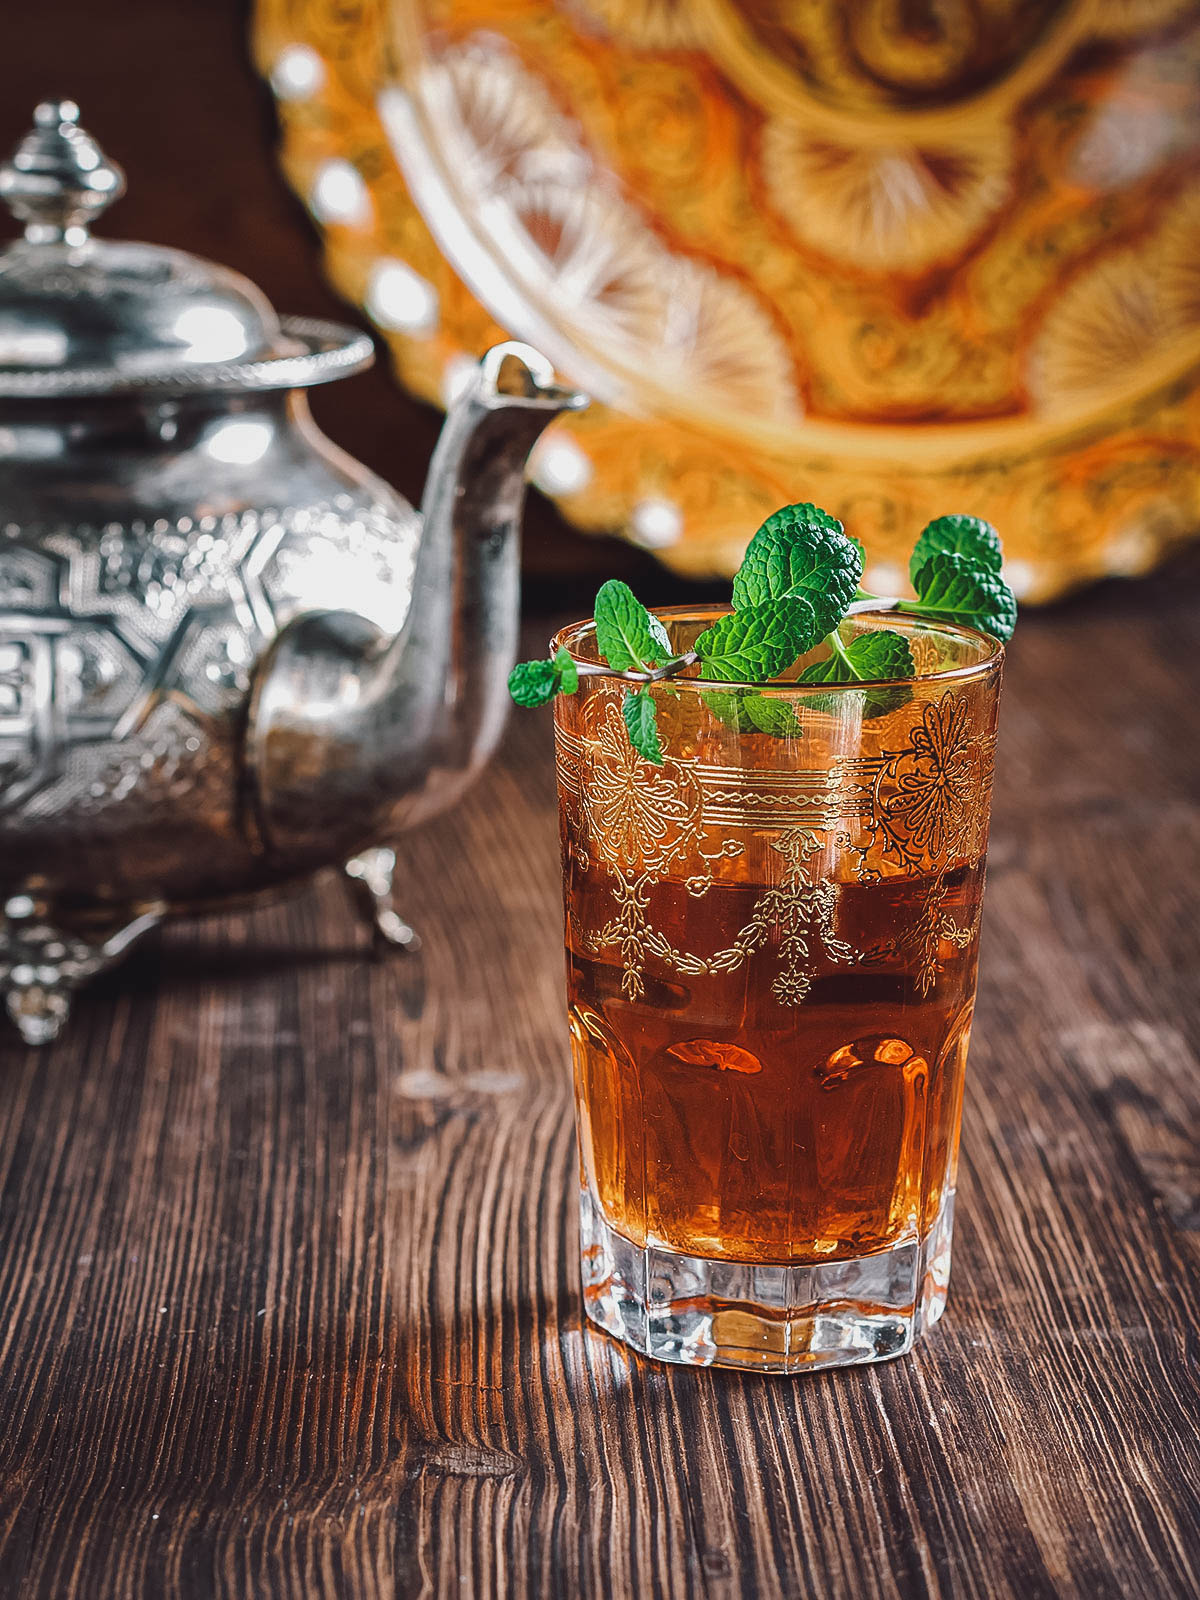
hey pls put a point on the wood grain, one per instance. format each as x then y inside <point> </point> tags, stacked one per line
<point>288,1288</point>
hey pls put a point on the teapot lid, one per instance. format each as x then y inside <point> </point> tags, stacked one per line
<point>84,316</point>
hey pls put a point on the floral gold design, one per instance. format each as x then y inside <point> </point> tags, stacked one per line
<point>867,53</point>
<point>927,794</point>
<point>573,241</point>
<point>649,24</point>
<point>639,817</point>
<point>1110,320</point>
<point>923,806</point>
<point>801,911</point>
<point>638,820</point>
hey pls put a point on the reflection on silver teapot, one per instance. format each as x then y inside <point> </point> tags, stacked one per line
<point>229,655</point>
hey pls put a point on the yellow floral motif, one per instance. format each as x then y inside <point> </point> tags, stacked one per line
<point>802,913</point>
<point>650,24</point>
<point>923,805</point>
<point>639,817</point>
<point>923,938</point>
<point>926,795</point>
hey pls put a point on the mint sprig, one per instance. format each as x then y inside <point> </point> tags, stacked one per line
<point>801,574</point>
<point>568,672</point>
<point>759,642</point>
<point>746,711</point>
<point>772,715</point>
<point>970,537</point>
<point>803,552</point>
<point>875,656</point>
<point>959,589</point>
<point>627,636</point>
<point>532,683</point>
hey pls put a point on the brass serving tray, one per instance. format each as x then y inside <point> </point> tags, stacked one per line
<point>892,262</point>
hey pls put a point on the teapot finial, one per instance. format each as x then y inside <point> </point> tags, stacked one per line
<point>59,180</point>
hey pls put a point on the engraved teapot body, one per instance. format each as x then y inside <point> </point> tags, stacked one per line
<point>229,654</point>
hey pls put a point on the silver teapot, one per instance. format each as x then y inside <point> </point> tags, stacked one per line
<point>229,655</point>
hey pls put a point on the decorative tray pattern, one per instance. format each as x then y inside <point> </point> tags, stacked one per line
<point>890,259</point>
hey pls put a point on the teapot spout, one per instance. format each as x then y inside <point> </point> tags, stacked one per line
<point>465,616</point>
<point>355,734</point>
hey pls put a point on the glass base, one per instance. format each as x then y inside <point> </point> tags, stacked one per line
<point>714,1313</point>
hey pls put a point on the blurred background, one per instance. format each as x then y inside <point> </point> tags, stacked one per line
<point>171,93</point>
<point>942,258</point>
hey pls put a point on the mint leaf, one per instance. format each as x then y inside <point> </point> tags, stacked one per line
<point>800,573</point>
<point>971,537</point>
<point>950,586</point>
<point>626,633</point>
<point>802,551</point>
<point>641,719</point>
<point>661,638</point>
<point>568,672</point>
<point>753,713</point>
<point>532,683</point>
<point>773,716</point>
<point>758,643</point>
<point>871,657</point>
<point>729,707</point>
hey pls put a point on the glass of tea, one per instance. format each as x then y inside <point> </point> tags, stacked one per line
<point>772,942</point>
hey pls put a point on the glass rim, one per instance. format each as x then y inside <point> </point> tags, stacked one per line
<point>990,662</point>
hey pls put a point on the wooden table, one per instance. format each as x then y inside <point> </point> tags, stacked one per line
<point>289,1300</point>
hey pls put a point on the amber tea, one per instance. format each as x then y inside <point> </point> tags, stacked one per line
<point>771,959</point>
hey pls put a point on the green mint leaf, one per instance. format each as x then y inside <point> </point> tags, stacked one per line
<point>871,657</point>
<point>773,716</point>
<point>753,713</point>
<point>954,588</point>
<point>661,638</point>
<point>758,643</point>
<point>532,683</point>
<point>729,707</point>
<point>970,537</point>
<point>568,672</point>
<point>625,630</point>
<point>641,719</point>
<point>802,551</point>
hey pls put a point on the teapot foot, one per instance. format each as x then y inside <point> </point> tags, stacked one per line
<point>41,965</point>
<point>39,1013</point>
<point>370,875</point>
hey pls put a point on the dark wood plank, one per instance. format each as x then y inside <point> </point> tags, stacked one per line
<point>288,1287</point>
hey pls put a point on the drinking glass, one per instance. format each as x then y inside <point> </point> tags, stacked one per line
<point>772,942</point>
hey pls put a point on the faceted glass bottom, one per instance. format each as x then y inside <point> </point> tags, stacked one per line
<point>716,1313</point>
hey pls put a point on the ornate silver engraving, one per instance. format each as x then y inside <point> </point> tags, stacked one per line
<point>208,680</point>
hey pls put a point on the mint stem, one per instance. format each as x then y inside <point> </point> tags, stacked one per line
<point>669,669</point>
<point>922,608</point>
<point>834,641</point>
